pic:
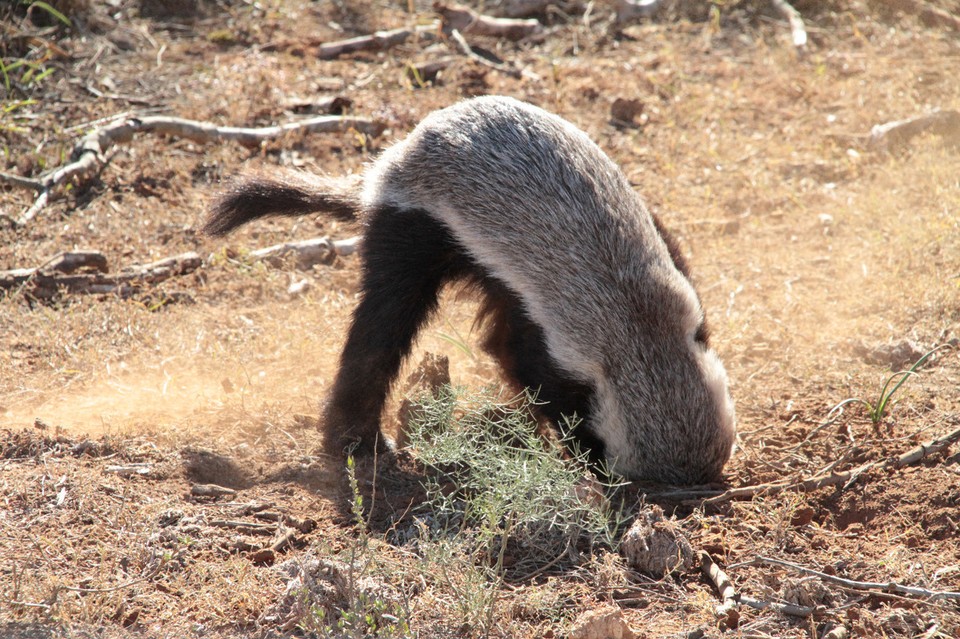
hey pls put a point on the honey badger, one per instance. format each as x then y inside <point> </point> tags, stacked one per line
<point>586,299</point>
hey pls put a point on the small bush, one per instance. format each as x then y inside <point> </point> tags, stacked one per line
<point>496,480</point>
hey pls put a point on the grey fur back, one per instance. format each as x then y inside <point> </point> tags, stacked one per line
<point>540,206</point>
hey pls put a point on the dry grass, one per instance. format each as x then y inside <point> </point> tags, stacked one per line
<point>805,242</point>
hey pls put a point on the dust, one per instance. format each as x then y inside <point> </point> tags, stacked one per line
<point>127,401</point>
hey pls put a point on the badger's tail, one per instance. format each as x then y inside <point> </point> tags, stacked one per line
<point>283,193</point>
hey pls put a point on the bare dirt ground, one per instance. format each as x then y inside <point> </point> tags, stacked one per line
<point>824,263</point>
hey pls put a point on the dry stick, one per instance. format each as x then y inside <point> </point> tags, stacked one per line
<point>728,596</point>
<point>88,154</point>
<point>522,8</point>
<point>912,456</point>
<point>465,48</point>
<point>381,40</point>
<point>45,284</point>
<point>467,21</point>
<point>797,31</point>
<point>891,587</point>
<point>308,253</point>
<point>127,584</point>
<point>892,135</point>
<point>791,610</point>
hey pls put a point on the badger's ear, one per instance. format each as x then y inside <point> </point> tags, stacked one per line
<point>702,336</point>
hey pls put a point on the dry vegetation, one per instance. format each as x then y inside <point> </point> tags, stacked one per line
<point>824,262</point>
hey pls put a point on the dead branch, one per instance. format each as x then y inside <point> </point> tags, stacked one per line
<point>45,282</point>
<point>129,470</point>
<point>308,253</point>
<point>303,525</point>
<point>327,104</point>
<point>912,456</point>
<point>791,610</point>
<point>211,490</point>
<point>423,72</point>
<point>922,451</point>
<point>930,16</point>
<point>727,610</point>
<point>380,41</point>
<point>467,21</point>
<point>894,135</point>
<point>891,587</point>
<point>797,31</point>
<point>245,527</point>
<point>524,8</point>
<point>73,261</point>
<point>468,51</point>
<point>285,537</point>
<point>88,154</point>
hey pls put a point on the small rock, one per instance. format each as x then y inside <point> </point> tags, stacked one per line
<point>656,546</point>
<point>601,623</point>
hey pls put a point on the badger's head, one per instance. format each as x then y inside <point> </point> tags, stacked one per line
<point>663,408</point>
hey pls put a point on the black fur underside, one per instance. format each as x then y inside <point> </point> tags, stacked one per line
<point>408,257</point>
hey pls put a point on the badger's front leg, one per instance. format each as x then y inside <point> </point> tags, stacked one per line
<point>407,258</point>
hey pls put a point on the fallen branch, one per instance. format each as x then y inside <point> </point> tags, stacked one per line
<point>467,21</point>
<point>912,456</point>
<point>896,134</point>
<point>303,525</point>
<point>523,8</point>
<point>798,32</point>
<point>791,610</point>
<point>930,16</point>
<point>88,154</point>
<point>891,587</point>
<point>211,490</point>
<point>423,72</point>
<point>727,610</point>
<point>46,283</point>
<point>380,41</point>
<point>308,253</point>
<point>245,527</point>
<point>468,51</point>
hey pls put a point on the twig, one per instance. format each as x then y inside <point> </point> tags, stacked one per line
<point>46,283</point>
<point>791,610</point>
<point>285,537</point>
<point>380,40</point>
<point>127,584</point>
<point>728,596</point>
<point>797,31</point>
<point>814,483</point>
<point>523,8</point>
<point>249,528</point>
<point>307,252</point>
<point>468,21</point>
<point>88,154</point>
<point>890,587</point>
<point>892,135</point>
<point>465,48</point>
<point>211,490</point>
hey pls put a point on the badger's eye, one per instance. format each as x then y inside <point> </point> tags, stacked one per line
<point>702,336</point>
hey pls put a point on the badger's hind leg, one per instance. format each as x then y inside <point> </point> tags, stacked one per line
<point>407,258</point>
<point>519,344</point>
